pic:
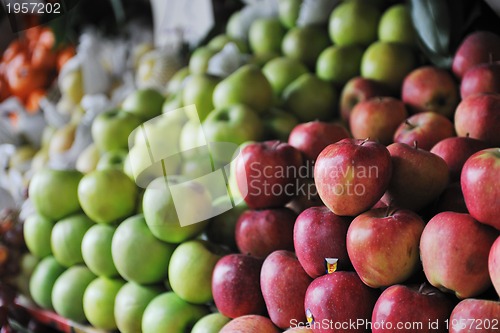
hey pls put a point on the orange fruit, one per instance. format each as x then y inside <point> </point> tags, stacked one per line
<point>23,78</point>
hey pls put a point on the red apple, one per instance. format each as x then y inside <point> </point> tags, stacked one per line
<point>356,90</point>
<point>383,245</point>
<point>377,118</point>
<point>475,316</point>
<point>395,310</point>
<point>483,78</point>
<point>320,234</point>
<point>340,302</point>
<point>418,177</point>
<point>430,89</point>
<point>250,324</point>
<point>478,116</point>
<point>267,172</point>
<point>425,128</point>
<point>454,250</point>
<point>284,283</point>
<point>477,48</point>
<point>260,232</point>
<point>455,151</point>
<point>451,200</point>
<point>351,175</point>
<point>494,265</point>
<point>480,182</point>
<point>236,285</point>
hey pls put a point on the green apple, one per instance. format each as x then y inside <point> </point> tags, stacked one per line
<point>396,26</point>
<point>66,239</point>
<point>107,195</point>
<point>169,313</point>
<point>260,60</point>
<point>88,159</point>
<point>176,81</point>
<point>247,85</point>
<point>280,72</point>
<point>310,98</point>
<point>37,230</point>
<point>288,12</point>
<point>137,254</point>
<point>96,250</point>
<point>42,281</point>
<point>198,91</point>
<point>54,193</point>
<point>278,124</point>
<point>41,159</point>
<point>305,44</point>
<point>218,42</point>
<point>211,323</point>
<point>388,63</point>
<point>68,290</point>
<point>62,140</point>
<point>265,35</point>
<point>172,102</point>
<point>198,63</point>
<point>234,27</point>
<point>113,159</point>
<point>191,137</point>
<point>145,103</point>
<point>27,265</point>
<point>190,270</point>
<point>111,129</point>
<point>175,222</point>
<point>221,228</point>
<point>354,22</point>
<point>130,303</point>
<point>339,64</point>
<point>99,302</point>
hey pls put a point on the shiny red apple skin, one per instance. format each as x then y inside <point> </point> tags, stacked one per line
<point>432,89</point>
<point>480,182</point>
<point>494,265</point>
<point>483,78</point>
<point>383,246</point>
<point>454,250</point>
<point>475,316</point>
<point>352,175</point>
<point>320,234</point>
<point>250,324</point>
<point>397,304</point>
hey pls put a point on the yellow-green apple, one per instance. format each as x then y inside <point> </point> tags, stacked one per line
<point>236,285</point>
<point>145,103</point>
<point>352,175</point>
<point>388,63</point>
<point>282,71</point>
<point>250,324</point>
<point>198,62</point>
<point>114,159</point>
<point>483,78</point>
<point>477,48</point>
<point>54,193</point>
<point>320,234</point>
<point>494,265</point>
<point>261,232</point>
<point>288,12</point>
<point>305,44</point>
<point>454,250</point>
<point>267,171</point>
<point>130,303</point>
<point>474,316</point>
<point>265,35</point>
<point>42,281</point>
<point>396,26</point>
<point>88,159</point>
<point>455,151</point>
<point>172,102</point>
<point>218,42</point>
<point>377,118</point>
<point>37,230</point>
<point>137,254</point>
<point>418,177</point>
<point>356,90</point>
<point>111,129</point>
<point>310,98</point>
<point>338,64</point>
<point>354,22</point>
<point>107,195</point>
<point>477,116</point>
<point>198,90</point>
<point>169,313</point>
<point>247,85</point>
<point>339,298</point>
<point>66,239</point>
<point>282,274</point>
<point>211,323</point>
<point>96,250</point>
<point>424,128</point>
<point>176,82</point>
<point>378,260</point>
<point>430,88</point>
<point>479,182</point>
<point>395,310</point>
<point>451,200</point>
<point>99,302</point>
<point>190,270</point>
<point>62,140</point>
<point>278,124</point>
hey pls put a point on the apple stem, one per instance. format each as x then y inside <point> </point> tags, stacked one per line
<point>409,124</point>
<point>276,144</point>
<point>364,141</point>
<point>422,286</point>
<point>467,134</point>
<point>415,144</point>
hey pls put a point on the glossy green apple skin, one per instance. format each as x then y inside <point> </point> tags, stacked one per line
<point>396,26</point>
<point>281,71</point>
<point>37,230</point>
<point>54,193</point>
<point>211,323</point>
<point>221,228</point>
<point>99,302</point>
<point>288,12</point>
<point>145,103</point>
<point>198,91</point>
<point>278,124</point>
<point>305,44</point>
<point>114,159</point>
<point>42,281</point>
<point>111,129</point>
<point>339,64</point>
<point>198,63</point>
<point>265,36</point>
<point>96,250</point>
<point>175,82</point>
<point>220,41</point>
<point>66,239</point>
